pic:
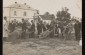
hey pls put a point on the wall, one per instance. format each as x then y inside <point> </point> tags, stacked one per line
<point>6,12</point>
<point>20,12</point>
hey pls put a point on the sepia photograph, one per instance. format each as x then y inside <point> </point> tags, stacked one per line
<point>42,27</point>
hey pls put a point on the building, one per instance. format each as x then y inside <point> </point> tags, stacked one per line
<point>47,18</point>
<point>19,11</point>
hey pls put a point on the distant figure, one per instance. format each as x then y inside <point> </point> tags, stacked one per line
<point>52,25</point>
<point>59,32</point>
<point>39,27</point>
<point>17,23</point>
<point>5,29</point>
<point>11,26</point>
<point>61,26</point>
<point>66,33</point>
<point>23,28</point>
<point>32,29</point>
<point>44,26</point>
<point>28,24</point>
<point>80,42</point>
<point>56,28</point>
<point>14,24</point>
<point>77,28</point>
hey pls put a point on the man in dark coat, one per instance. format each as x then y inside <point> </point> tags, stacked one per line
<point>77,28</point>
<point>56,27</point>
<point>32,29</point>
<point>44,27</point>
<point>61,26</point>
<point>39,27</point>
<point>23,28</point>
<point>12,26</point>
<point>52,26</point>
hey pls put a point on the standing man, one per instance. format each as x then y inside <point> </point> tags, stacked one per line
<point>39,27</point>
<point>32,29</point>
<point>52,29</point>
<point>14,24</point>
<point>61,26</point>
<point>77,28</point>
<point>56,28</point>
<point>11,26</point>
<point>5,29</point>
<point>44,26</point>
<point>23,28</point>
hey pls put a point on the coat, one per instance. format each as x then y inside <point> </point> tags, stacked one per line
<point>23,26</point>
<point>33,27</point>
<point>5,28</point>
<point>77,27</point>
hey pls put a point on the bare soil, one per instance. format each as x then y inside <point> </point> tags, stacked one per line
<point>36,46</point>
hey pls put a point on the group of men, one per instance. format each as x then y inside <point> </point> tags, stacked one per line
<point>42,27</point>
<point>27,26</point>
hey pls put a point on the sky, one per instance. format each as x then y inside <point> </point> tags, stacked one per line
<point>51,6</point>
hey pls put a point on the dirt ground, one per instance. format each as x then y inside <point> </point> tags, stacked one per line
<point>36,46</point>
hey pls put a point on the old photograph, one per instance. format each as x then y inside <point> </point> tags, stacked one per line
<point>42,27</point>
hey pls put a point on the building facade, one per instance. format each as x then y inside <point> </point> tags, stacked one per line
<point>19,11</point>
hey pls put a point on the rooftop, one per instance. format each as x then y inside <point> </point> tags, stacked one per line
<point>47,17</point>
<point>23,6</point>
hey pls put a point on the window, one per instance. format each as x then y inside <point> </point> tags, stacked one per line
<point>15,13</point>
<point>24,13</point>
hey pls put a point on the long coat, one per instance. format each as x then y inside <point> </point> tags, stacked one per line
<point>5,28</point>
<point>39,28</point>
<point>23,26</point>
<point>77,28</point>
<point>33,27</point>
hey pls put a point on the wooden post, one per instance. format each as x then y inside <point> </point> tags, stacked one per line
<point>35,24</point>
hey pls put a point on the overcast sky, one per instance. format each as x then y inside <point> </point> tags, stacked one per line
<point>51,6</point>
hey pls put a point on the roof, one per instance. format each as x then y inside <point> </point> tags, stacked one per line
<point>47,17</point>
<point>23,6</point>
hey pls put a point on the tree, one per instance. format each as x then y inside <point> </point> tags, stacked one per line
<point>47,13</point>
<point>63,16</point>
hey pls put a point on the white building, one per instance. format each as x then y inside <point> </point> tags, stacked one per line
<point>19,11</point>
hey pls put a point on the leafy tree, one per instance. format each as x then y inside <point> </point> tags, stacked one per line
<point>63,16</point>
<point>47,13</point>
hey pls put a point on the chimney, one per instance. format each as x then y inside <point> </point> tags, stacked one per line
<point>25,3</point>
<point>15,2</point>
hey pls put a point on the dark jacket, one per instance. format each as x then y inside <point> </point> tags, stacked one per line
<point>23,26</point>
<point>39,26</point>
<point>44,28</point>
<point>33,27</point>
<point>77,26</point>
